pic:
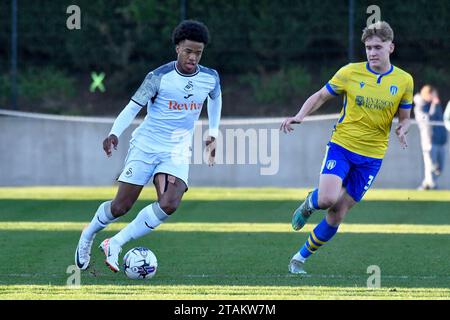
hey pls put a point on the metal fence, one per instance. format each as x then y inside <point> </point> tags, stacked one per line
<point>43,62</point>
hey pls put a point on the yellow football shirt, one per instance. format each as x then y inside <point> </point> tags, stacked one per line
<point>371,101</point>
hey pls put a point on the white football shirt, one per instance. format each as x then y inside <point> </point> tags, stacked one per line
<point>174,102</point>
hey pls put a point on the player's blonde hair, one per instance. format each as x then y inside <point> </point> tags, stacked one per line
<point>381,29</point>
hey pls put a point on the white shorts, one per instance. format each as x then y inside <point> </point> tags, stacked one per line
<point>141,166</point>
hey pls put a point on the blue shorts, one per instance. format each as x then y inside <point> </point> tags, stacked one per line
<point>356,171</point>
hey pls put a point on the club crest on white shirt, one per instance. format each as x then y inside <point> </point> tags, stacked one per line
<point>189,87</point>
<point>129,172</point>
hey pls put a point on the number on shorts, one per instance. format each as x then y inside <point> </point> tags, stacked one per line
<point>369,183</point>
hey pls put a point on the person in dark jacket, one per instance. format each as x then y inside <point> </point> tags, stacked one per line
<point>438,136</point>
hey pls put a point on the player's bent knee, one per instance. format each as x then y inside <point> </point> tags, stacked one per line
<point>169,206</point>
<point>120,208</point>
<point>334,219</point>
<point>336,215</point>
<point>326,202</point>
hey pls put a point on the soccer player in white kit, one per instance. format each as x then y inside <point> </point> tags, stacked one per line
<point>160,147</point>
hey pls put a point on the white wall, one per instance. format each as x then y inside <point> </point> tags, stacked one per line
<point>48,152</point>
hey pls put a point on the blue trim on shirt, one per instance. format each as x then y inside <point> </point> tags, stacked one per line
<point>330,90</point>
<point>406,106</point>
<point>345,109</point>
<point>209,71</point>
<point>379,74</point>
<point>216,91</point>
<point>164,69</point>
<point>185,74</point>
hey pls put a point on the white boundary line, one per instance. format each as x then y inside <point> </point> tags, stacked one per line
<point>43,116</point>
<point>244,276</point>
<point>230,121</point>
<point>246,121</point>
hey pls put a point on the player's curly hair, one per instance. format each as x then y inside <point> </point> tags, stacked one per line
<point>190,30</point>
<point>381,29</point>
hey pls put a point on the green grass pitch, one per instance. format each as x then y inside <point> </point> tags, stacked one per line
<point>229,244</point>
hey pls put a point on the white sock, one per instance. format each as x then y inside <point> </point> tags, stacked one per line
<point>299,257</point>
<point>147,219</point>
<point>101,219</point>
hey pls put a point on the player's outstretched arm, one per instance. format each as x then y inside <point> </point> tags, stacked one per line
<point>403,126</point>
<point>123,121</point>
<point>313,103</point>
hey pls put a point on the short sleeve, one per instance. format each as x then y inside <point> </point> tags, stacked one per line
<point>407,99</point>
<point>338,83</point>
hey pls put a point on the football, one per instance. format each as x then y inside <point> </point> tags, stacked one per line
<point>140,263</point>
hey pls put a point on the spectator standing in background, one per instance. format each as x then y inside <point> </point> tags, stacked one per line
<point>428,110</point>
<point>438,136</point>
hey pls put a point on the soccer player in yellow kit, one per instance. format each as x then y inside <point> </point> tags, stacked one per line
<point>373,93</point>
